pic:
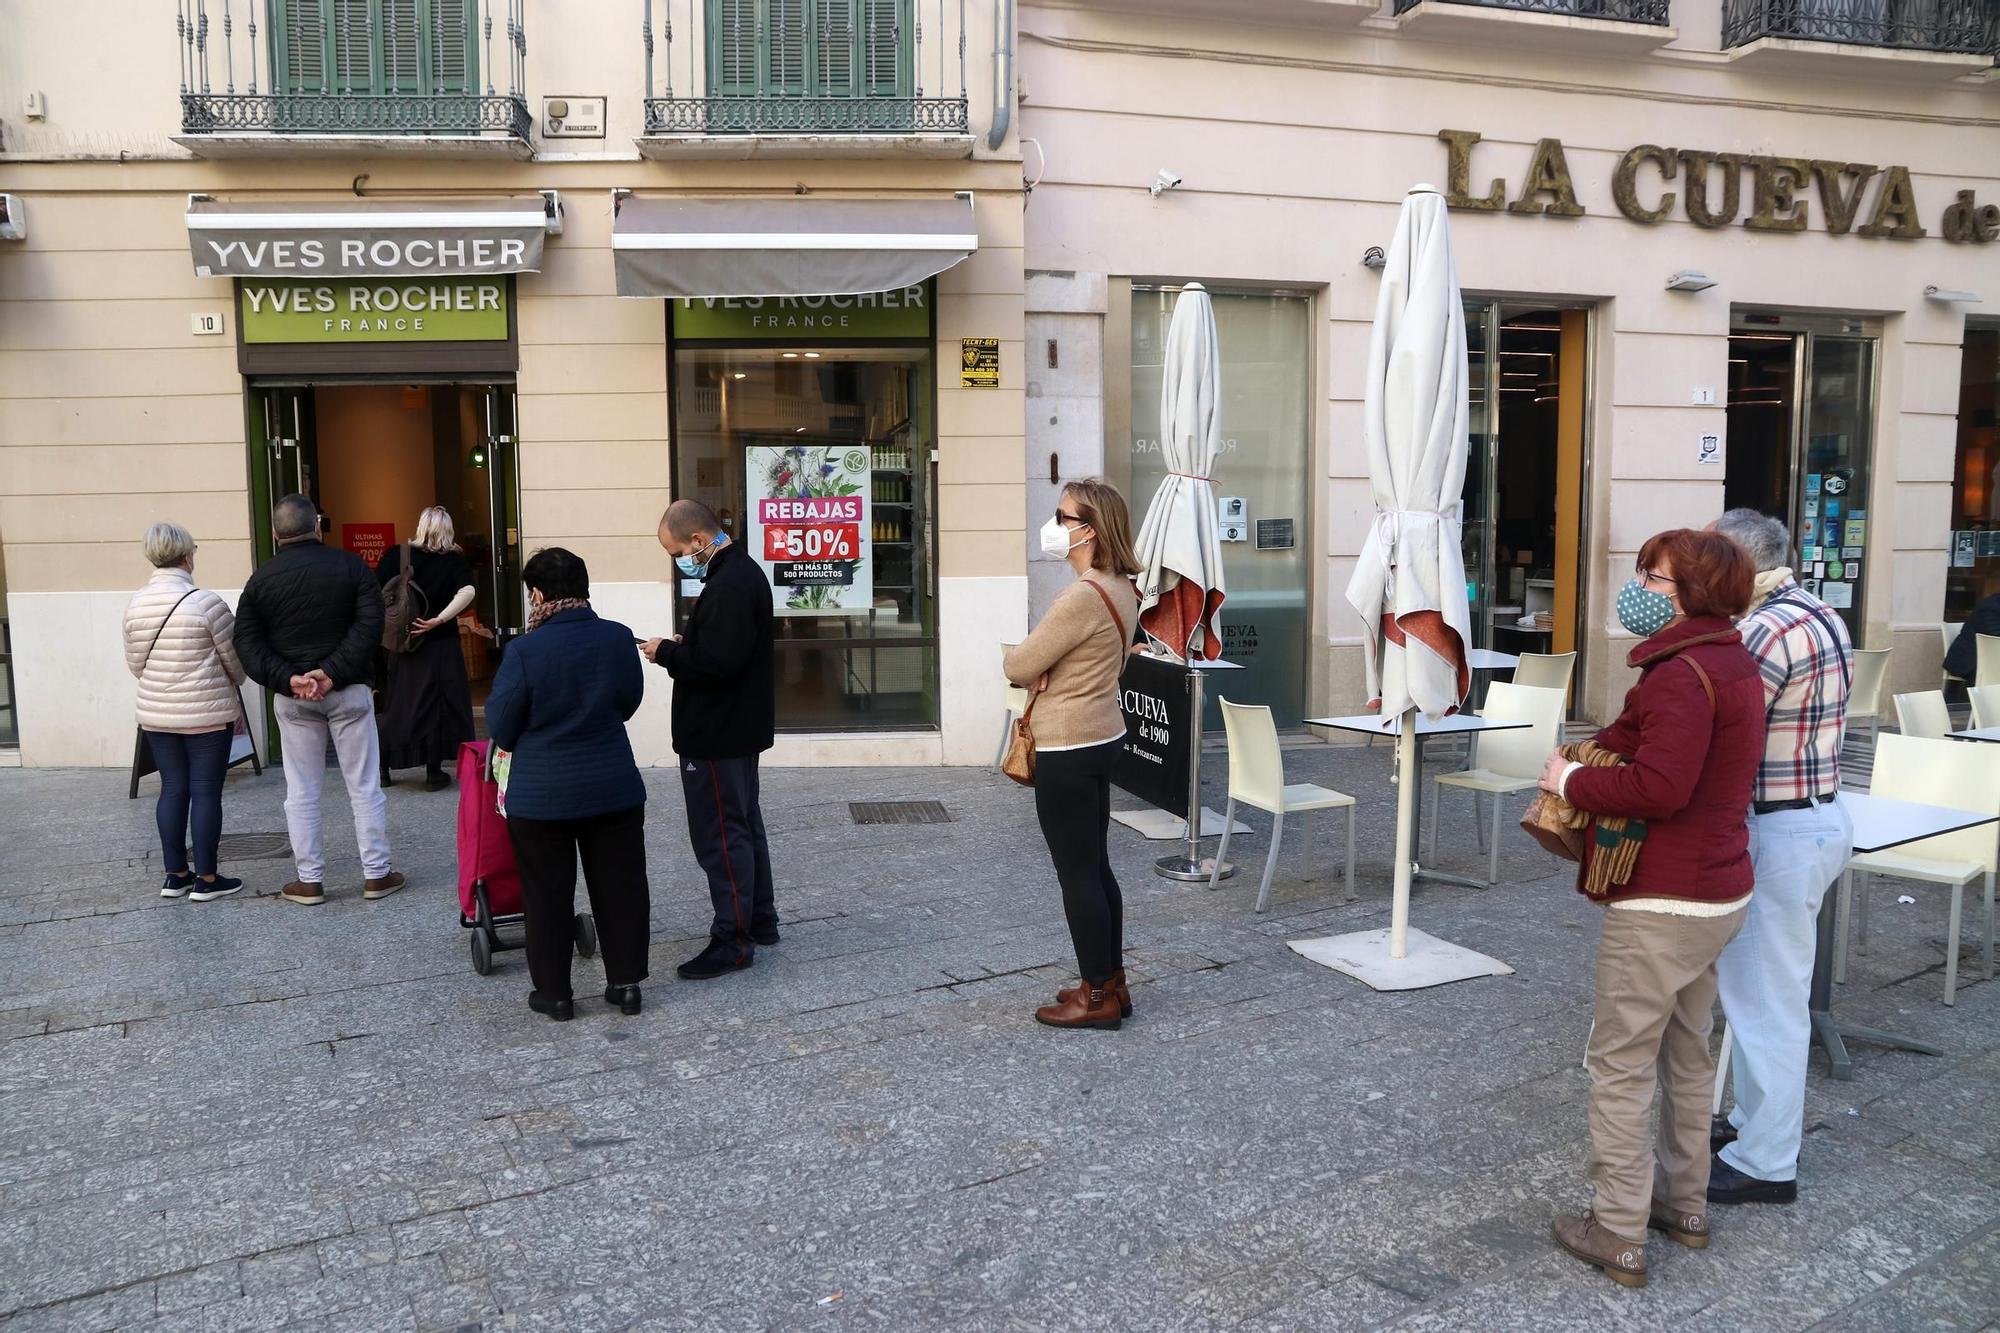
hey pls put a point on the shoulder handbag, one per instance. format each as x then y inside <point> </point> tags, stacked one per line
<point>400,604</point>
<point>1019,763</point>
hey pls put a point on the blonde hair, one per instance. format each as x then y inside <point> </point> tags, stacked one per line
<point>434,530</point>
<point>167,544</point>
<point>1099,504</point>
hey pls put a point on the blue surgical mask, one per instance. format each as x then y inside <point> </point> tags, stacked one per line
<point>695,564</point>
<point>1643,611</point>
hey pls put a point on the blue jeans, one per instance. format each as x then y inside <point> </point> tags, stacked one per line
<point>1766,978</point>
<point>191,772</point>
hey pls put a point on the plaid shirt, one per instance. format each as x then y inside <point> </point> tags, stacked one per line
<point>1807,662</point>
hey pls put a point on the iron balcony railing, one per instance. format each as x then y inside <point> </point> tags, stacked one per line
<point>1954,26</point>
<point>805,67</point>
<point>1623,11</point>
<point>365,67</point>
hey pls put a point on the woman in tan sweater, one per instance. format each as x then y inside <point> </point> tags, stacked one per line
<point>1073,658</point>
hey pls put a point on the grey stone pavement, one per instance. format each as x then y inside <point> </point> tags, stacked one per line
<point>245,1115</point>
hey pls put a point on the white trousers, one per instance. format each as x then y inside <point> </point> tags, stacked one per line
<point>1766,979</point>
<point>303,727</point>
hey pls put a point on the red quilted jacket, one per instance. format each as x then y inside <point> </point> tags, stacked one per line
<point>1692,764</point>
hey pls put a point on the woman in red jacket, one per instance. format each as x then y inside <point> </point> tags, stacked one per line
<point>1672,782</point>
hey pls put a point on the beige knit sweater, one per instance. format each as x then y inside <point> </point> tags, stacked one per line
<point>1083,653</point>
<point>189,683</point>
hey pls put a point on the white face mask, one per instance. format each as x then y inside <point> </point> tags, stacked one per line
<point>1056,542</point>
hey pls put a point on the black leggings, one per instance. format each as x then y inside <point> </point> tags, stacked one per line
<point>192,767</point>
<point>1073,803</point>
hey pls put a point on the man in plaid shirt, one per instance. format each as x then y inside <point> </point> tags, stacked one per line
<point>1800,840</point>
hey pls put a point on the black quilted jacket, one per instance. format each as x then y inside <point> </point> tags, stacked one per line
<point>309,606</point>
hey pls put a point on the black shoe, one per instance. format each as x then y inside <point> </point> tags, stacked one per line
<point>436,781</point>
<point>625,999</point>
<point>560,1011</point>
<point>1720,1133</point>
<point>208,890</point>
<point>176,885</point>
<point>719,957</point>
<point>764,935</point>
<point>1728,1185</point>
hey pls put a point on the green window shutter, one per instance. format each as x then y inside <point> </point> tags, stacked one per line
<point>404,48</point>
<point>838,39</point>
<point>452,57</point>
<point>787,47</point>
<point>352,36</point>
<point>733,48</point>
<point>885,65</point>
<point>299,48</point>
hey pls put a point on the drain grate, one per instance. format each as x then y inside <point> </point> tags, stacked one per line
<point>253,846</point>
<point>898,812</point>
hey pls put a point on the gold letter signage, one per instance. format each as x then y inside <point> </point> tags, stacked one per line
<point>1710,192</point>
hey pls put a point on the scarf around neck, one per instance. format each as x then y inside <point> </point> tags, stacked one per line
<point>555,606</point>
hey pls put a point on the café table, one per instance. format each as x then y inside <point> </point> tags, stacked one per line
<point>1456,724</point>
<point>1976,734</point>
<point>1880,823</point>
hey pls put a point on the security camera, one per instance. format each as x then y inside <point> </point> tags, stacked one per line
<point>1163,181</point>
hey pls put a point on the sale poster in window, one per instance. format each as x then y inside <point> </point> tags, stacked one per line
<point>807,511</point>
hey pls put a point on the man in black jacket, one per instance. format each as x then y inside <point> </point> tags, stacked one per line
<point>307,627</point>
<point>723,715</point>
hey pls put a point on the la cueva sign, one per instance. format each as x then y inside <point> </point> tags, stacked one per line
<point>1712,189</point>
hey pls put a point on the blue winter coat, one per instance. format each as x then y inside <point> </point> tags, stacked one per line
<point>560,703</point>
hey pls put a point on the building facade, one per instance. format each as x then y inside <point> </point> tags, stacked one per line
<point>549,273</point>
<point>1714,253</point>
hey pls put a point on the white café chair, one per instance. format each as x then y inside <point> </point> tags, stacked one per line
<point>1546,671</point>
<point>1985,705</point>
<point>1923,715</point>
<point>1955,774</point>
<point>1257,779</point>
<point>1986,671</point>
<point>1508,761</point>
<point>1864,701</point>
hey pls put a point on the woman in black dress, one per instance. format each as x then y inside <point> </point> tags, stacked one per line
<point>427,705</point>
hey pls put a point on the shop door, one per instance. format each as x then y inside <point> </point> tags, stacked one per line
<point>1523,495</point>
<point>503,608</point>
<point>284,455</point>
<point>1801,427</point>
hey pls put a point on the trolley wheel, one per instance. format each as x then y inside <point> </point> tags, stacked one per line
<point>586,935</point>
<point>482,952</point>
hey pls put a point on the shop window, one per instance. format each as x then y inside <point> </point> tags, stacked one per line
<point>1975,493</point>
<point>817,458</point>
<point>809,48</point>
<point>422,47</point>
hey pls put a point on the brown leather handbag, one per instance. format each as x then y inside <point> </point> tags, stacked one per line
<point>1020,761</point>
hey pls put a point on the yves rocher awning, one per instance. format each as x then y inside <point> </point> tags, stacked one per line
<point>793,246</point>
<point>366,238</point>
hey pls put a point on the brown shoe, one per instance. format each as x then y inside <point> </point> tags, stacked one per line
<point>1623,1261</point>
<point>302,893</point>
<point>1115,984</point>
<point>1087,1007</point>
<point>383,887</point>
<point>1690,1229</point>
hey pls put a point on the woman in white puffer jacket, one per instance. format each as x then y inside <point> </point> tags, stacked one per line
<point>179,642</point>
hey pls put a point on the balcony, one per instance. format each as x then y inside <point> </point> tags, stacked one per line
<point>1916,40</point>
<point>805,78</point>
<point>1630,26</point>
<point>331,78</point>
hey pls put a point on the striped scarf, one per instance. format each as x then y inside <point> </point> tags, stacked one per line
<point>1615,840</point>
<point>555,606</point>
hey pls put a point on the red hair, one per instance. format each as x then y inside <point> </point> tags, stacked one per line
<point>1712,573</point>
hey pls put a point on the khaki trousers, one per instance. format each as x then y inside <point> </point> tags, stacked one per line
<point>1655,1007</point>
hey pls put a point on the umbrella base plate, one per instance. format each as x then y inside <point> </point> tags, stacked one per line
<point>1189,871</point>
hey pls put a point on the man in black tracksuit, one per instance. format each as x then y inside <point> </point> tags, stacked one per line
<point>724,714</point>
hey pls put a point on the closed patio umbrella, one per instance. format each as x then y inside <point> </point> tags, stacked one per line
<point>1180,554</point>
<point>1409,584</point>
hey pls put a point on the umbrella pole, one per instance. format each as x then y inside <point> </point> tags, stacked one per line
<point>1188,867</point>
<point>1406,834</point>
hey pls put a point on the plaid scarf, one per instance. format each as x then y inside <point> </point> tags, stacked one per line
<point>554,606</point>
<point>1615,840</point>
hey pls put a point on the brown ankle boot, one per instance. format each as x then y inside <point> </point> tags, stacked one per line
<point>1089,1006</point>
<point>1115,984</point>
<point>1623,1261</point>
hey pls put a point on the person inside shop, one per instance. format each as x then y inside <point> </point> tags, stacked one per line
<point>1668,786</point>
<point>427,701</point>
<point>1072,660</point>
<point>1962,658</point>
<point>724,718</point>
<point>179,642</point>
<point>307,627</point>
<point>1800,841</point>
<point>564,692</point>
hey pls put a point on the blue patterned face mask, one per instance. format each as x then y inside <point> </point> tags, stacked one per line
<point>1643,611</point>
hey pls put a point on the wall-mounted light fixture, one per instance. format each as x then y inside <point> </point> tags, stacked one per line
<point>1949,296</point>
<point>1690,280</point>
<point>476,460</point>
<point>1374,257</point>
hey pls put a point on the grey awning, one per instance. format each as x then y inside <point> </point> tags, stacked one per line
<point>366,238</point>
<point>787,247</point>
